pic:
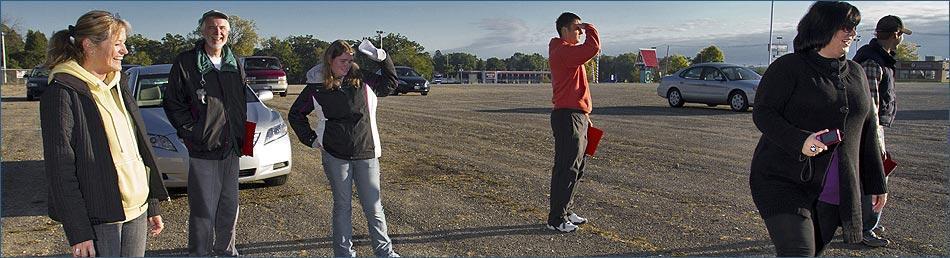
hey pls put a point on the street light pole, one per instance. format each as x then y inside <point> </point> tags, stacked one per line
<point>379,34</point>
<point>3,44</point>
<point>771,16</point>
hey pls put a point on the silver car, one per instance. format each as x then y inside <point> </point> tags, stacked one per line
<point>712,84</point>
<point>272,157</point>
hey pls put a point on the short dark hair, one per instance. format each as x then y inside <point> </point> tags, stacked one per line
<point>566,19</point>
<point>822,21</point>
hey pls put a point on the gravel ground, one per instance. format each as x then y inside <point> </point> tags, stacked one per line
<point>466,172</point>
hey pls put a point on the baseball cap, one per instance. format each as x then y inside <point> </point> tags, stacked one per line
<point>212,13</point>
<point>891,23</point>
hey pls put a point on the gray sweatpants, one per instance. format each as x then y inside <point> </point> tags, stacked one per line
<point>213,201</point>
<point>365,173</point>
<point>121,239</point>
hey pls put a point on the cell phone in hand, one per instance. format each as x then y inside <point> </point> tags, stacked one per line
<point>830,137</point>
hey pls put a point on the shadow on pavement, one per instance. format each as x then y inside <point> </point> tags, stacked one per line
<point>254,249</point>
<point>630,111</point>
<point>24,188</point>
<point>922,115</point>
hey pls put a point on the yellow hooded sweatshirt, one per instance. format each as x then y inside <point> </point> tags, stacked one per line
<point>132,174</point>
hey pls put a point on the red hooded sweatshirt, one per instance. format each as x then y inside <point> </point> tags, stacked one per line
<point>568,75</point>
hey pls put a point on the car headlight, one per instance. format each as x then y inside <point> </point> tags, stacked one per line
<point>282,80</point>
<point>161,142</point>
<point>275,133</point>
<point>427,84</point>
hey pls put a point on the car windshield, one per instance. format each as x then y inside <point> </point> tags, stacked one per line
<point>39,72</point>
<point>261,64</point>
<point>406,72</point>
<point>740,73</point>
<point>152,90</point>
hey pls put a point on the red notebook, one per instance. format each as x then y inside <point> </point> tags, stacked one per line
<point>248,147</point>
<point>889,163</point>
<point>593,138</point>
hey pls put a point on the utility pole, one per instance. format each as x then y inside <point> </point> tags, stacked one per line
<point>379,34</point>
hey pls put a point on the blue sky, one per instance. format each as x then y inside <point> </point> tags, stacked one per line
<point>498,29</point>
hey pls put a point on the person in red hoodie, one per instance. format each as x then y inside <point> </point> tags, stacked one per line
<point>571,115</point>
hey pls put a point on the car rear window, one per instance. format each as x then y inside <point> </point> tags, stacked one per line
<point>740,73</point>
<point>692,73</point>
<point>261,64</point>
<point>151,90</point>
<point>39,72</point>
<point>406,72</point>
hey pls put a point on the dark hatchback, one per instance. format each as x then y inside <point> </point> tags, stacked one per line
<point>410,81</point>
<point>36,82</point>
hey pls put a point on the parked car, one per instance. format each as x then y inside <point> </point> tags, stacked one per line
<point>712,84</point>
<point>265,73</point>
<point>126,67</point>
<point>36,82</point>
<point>272,156</point>
<point>410,81</point>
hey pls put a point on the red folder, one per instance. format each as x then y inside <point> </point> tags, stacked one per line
<point>889,163</point>
<point>593,138</point>
<point>247,149</point>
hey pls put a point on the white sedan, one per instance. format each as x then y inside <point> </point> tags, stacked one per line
<point>272,157</point>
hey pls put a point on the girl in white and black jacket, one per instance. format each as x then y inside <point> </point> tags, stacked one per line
<point>344,98</point>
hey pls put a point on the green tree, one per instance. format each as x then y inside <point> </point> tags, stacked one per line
<point>169,48</point>
<point>405,52</point>
<point>242,37</point>
<point>674,63</point>
<point>13,45</point>
<point>308,51</point>
<point>464,61</point>
<point>281,49</point>
<point>141,50</point>
<point>34,50</point>
<point>439,62</point>
<point>709,54</point>
<point>907,51</point>
<point>495,64</point>
<point>521,62</point>
<point>626,67</point>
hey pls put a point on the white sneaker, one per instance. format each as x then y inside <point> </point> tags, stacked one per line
<point>574,219</point>
<point>567,226</point>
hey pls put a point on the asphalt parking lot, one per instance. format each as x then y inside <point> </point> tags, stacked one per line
<point>466,172</point>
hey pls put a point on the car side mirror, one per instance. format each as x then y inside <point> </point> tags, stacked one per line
<point>265,95</point>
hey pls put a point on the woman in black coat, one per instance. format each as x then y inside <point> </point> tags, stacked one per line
<point>804,189</point>
<point>104,185</point>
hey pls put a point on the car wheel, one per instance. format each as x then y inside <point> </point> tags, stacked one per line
<point>675,98</point>
<point>283,94</point>
<point>738,101</point>
<point>425,93</point>
<point>276,181</point>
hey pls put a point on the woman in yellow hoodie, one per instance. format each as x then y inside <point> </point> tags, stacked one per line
<point>104,186</point>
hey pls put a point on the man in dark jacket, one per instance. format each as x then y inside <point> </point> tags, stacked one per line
<point>877,58</point>
<point>205,102</point>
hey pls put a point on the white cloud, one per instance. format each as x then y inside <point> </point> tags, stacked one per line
<point>504,36</point>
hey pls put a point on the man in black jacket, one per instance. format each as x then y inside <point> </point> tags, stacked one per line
<point>877,58</point>
<point>205,102</point>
